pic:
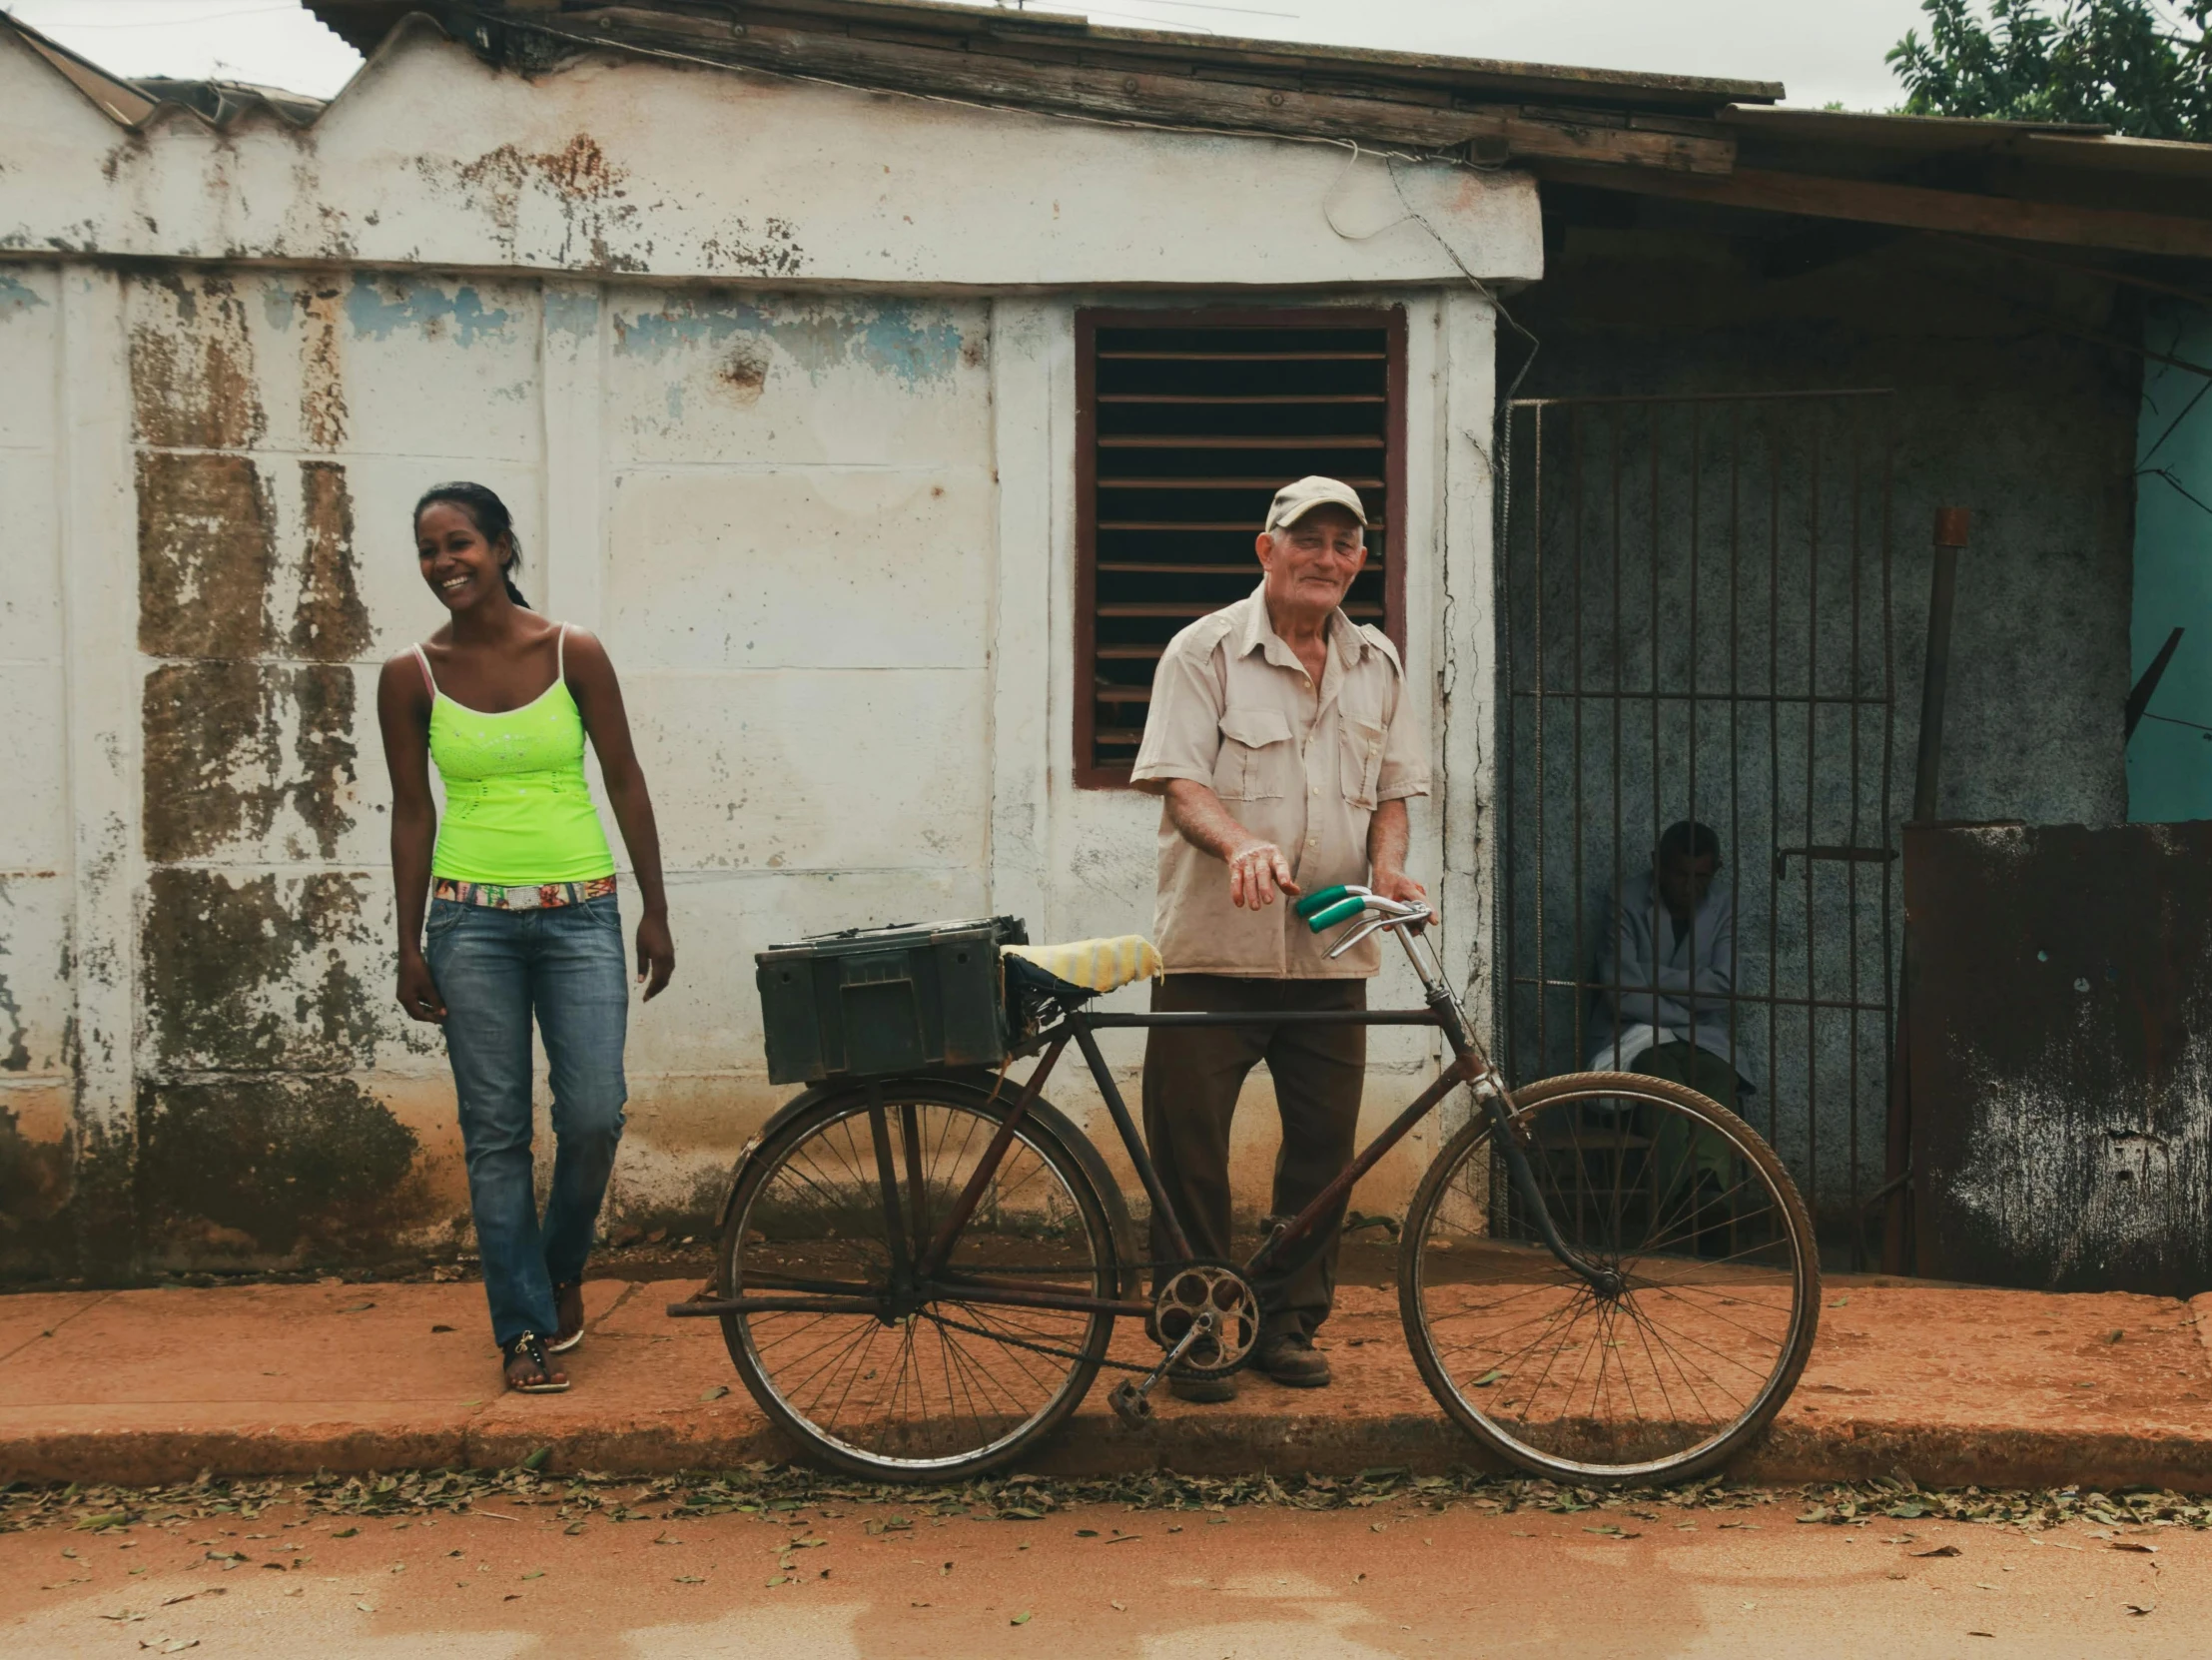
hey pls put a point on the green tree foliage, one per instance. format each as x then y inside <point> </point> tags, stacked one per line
<point>2137,66</point>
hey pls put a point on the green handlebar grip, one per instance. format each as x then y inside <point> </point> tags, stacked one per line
<point>1319,901</point>
<point>1344,911</point>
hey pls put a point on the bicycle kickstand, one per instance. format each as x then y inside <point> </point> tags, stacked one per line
<point>1131,1401</point>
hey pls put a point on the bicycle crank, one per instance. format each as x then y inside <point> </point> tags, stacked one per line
<point>1131,1400</point>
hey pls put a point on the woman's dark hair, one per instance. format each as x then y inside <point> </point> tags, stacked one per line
<point>492,518</point>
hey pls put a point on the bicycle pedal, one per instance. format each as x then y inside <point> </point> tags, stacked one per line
<point>1131,1404</point>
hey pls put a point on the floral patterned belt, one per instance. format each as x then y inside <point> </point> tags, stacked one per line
<point>533,896</point>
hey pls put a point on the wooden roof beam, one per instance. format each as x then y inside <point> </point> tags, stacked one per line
<point>1908,206</point>
<point>1127,93</point>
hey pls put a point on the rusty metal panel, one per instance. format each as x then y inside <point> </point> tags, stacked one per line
<point>2061,1010</point>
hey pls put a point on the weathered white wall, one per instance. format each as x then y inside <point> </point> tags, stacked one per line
<point>819,504</point>
<point>429,158</point>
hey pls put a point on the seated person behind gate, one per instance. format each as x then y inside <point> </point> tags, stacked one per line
<point>1666,980</point>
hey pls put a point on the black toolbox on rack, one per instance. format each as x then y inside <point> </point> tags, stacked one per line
<point>875,1001</point>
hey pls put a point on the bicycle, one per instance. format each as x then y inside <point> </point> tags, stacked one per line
<point>1602,1276</point>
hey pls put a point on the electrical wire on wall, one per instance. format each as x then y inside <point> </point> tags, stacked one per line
<point>1499,469</point>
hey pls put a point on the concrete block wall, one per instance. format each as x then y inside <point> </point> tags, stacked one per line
<point>778,381</point>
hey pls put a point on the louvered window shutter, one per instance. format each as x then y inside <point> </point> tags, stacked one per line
<point>1186,425</point>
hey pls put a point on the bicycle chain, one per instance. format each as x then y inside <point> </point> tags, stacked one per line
<point>1023,1342</point>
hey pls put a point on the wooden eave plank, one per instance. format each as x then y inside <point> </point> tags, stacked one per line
<point>1608,86</point>
<point>1908,206</point>
<point>1179,100</point>
<point>1886,132</point>
<point>2153,156</point>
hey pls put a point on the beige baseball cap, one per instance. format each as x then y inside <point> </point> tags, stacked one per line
<point>1293,501</point>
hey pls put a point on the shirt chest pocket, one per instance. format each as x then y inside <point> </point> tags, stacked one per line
<point>1360,762</point>
<point>1255,756</point>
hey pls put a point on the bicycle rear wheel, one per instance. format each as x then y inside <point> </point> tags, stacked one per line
<point>1671,1372</point>
<point>934,1385</point>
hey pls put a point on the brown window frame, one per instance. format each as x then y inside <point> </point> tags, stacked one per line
<point>1088,321</point>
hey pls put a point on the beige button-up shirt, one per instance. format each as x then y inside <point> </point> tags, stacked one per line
<point>1301,765</point>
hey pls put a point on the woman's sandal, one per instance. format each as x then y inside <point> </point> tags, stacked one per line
<point>527,1348</point>
<point>569,1303</point>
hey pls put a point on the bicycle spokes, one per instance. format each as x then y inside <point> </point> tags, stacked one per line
<point>1686,1336</point>
<point>947,1368</point>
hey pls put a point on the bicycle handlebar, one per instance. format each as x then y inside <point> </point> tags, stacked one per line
<point>1346,908</point>
<point>1324,899</point>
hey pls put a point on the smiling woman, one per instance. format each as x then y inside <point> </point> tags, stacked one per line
<point>524,917</point>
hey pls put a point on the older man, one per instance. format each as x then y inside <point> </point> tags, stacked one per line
<point>1280,735</point>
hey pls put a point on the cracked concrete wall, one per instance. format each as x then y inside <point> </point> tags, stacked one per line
<point>795,435</point>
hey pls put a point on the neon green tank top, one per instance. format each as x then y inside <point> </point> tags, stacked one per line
<point>517,808</point>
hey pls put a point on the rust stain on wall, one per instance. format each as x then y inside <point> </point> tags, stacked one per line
<point>744,373</point>
<point>272,1167</point>
<point>331,623</point>
<point>586,188</point>
<point>215,770</point>
<point>206,549</point>
<point>250,975</point>
<point>323,411</point>
<point>192,366</point>
<point>579,170</point>
<point>323,746</point>
<point>209,730</point>
<point>34,1177</point>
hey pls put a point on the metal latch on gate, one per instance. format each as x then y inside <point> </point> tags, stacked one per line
<point>1849,855</point>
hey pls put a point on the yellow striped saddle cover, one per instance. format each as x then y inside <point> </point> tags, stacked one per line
<point>1095,965</point>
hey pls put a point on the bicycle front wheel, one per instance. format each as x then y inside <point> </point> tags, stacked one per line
<point>870,1370</point>
<point>1683,1353</point>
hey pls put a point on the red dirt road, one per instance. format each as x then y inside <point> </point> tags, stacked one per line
<point>1263,1582</point>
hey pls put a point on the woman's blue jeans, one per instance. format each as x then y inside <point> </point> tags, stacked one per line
<point>494,968</point>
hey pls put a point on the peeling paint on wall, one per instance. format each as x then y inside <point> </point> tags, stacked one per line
<point>2118,1180</point>
<point>215,768</point>
<point>903,340</point>
<point>15,296</point>
<point>247,974</point>
<point>207,548</point>
<point>331,623</point>
<point>322,409</point>
<point>17,1055</point>
<point>379,306</point>
<point>191,364</point>
<point>571,311</point>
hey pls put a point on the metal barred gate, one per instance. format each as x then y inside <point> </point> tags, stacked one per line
<point>1695,624</point>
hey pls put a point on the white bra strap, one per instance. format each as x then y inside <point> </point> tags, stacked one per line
<point>428,679</point>
<point>560,654</point>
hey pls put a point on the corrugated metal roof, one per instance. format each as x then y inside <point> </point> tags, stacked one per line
<point>135,102</point>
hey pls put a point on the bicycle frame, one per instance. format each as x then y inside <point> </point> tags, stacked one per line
<point>916,1265</point>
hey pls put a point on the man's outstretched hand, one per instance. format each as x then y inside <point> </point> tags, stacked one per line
<point>1257,871</point>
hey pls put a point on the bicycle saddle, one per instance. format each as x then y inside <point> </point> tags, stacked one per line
<point>1093,966</point>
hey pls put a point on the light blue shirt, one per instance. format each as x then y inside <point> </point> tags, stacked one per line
<point>1672,990</point>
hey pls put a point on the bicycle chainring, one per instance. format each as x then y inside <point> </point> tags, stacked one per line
<point>1189,1291</point>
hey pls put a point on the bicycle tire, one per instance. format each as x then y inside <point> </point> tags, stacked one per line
<point>936,1359</point>
<point>1493,1269</point>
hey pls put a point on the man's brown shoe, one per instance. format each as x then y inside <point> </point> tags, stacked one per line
<point>1290,1358</point>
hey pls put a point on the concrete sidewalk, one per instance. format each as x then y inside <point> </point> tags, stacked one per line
<point>1951,1386</point>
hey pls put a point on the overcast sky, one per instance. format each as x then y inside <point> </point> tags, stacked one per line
<point>1823,50</point>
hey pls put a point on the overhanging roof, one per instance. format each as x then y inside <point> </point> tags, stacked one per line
<point>1476,108</point>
